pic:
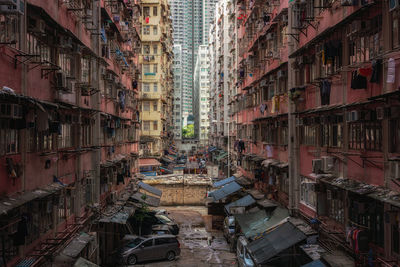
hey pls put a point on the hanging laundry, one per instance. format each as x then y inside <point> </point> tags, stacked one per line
<point>275,104</point>
<point>376,71</point>
<point>358,81</point>
<point>263,107</point>
<point>365,71</point>
<point>325,91</point>
<point>147,19</point>
<point>391,72</point>
<point>121,96</point>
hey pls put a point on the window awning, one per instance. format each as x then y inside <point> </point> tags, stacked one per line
<point>222,156</point>
<point>242,202</point>
<point>150,188</point>
<point>148,162</point>
<point>211,149</point>
<point>281,238</point>
<point>149,200</point>
<point>224,181</point>
<point>8,204</point>
<point>119,217</point>
<point>225,191</point>
<point>257,223</point>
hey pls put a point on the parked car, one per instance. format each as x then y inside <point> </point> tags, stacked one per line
<point>161,229</point>
<point>229,231</point>
<point>150,219</point>
<point>138,249</point>
<point>243,256</point>
<point>164,219</point>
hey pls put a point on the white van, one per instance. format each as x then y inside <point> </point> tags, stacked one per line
<point>242,254</point>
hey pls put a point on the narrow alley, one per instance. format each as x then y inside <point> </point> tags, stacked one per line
<point>199,247</point>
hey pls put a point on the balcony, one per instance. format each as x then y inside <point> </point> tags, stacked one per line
<point>144,96</point>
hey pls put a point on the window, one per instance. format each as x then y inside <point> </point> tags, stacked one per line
<point>154,11</point>
<point>307,192</point>
<point>146,49</point>
<point>146,106</point>
<point>331,135</point>
<point>146,87</point>
<point>9,139</point>
<point>65,63</point>
<point>155,106</point>
<point>155,125</point>
<point>335,204</point>
<point>146,11</point>
<point>155,49</point>
<point>9,29</point>
<point>155,68</point>
<point>148,243</point>
<point>309,135</point>
<point>65,138</point>
<point>146,68</point>
<point>365,135</point>
<point>85,70</point>
<point>394,135</point>
<point>146,125</point>
<point>146,30</point>
<point>155,30</point>
<point>155,87</point>
<point>86,133</point>
<point>37,47</point>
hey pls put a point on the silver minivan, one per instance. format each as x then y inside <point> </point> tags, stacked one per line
<point>149,248</point>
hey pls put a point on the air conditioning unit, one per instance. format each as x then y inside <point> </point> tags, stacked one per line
<point>16,7</point>
<point>327,164</point>
<point>61,80</point>
<point>380,113</point>
<point>393,4</point>
<point>395,169</point>
<point>11,111</point>
<point>316,165</point>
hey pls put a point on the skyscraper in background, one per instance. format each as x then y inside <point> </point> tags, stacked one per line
<point>190,20</point>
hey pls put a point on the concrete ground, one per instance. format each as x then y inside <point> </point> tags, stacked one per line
<point>198,247</point>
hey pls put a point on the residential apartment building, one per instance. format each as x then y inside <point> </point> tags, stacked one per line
<point>178,78</point>
<point>201,104</point>
<point>191,20</point>
<point>220,64</point>
<point>316,116</point>
<point>156,95</point>
<point>69,121</point>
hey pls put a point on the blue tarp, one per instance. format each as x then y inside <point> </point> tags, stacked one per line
<point>225,191</point>
<point>316,263</point>
<point>150,188</point>
<point>243,202</point>
<point>224,181</point>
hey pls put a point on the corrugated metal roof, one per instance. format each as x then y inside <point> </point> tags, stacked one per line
<point>119,217</point>
<point>256,224</point>
<point>283,237</point>
<point>316,263</point>
<point>224,181</point>
<point>225,191</point>
<point>149,200</point>
<point>150,189</point>
<point>243,202</point>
